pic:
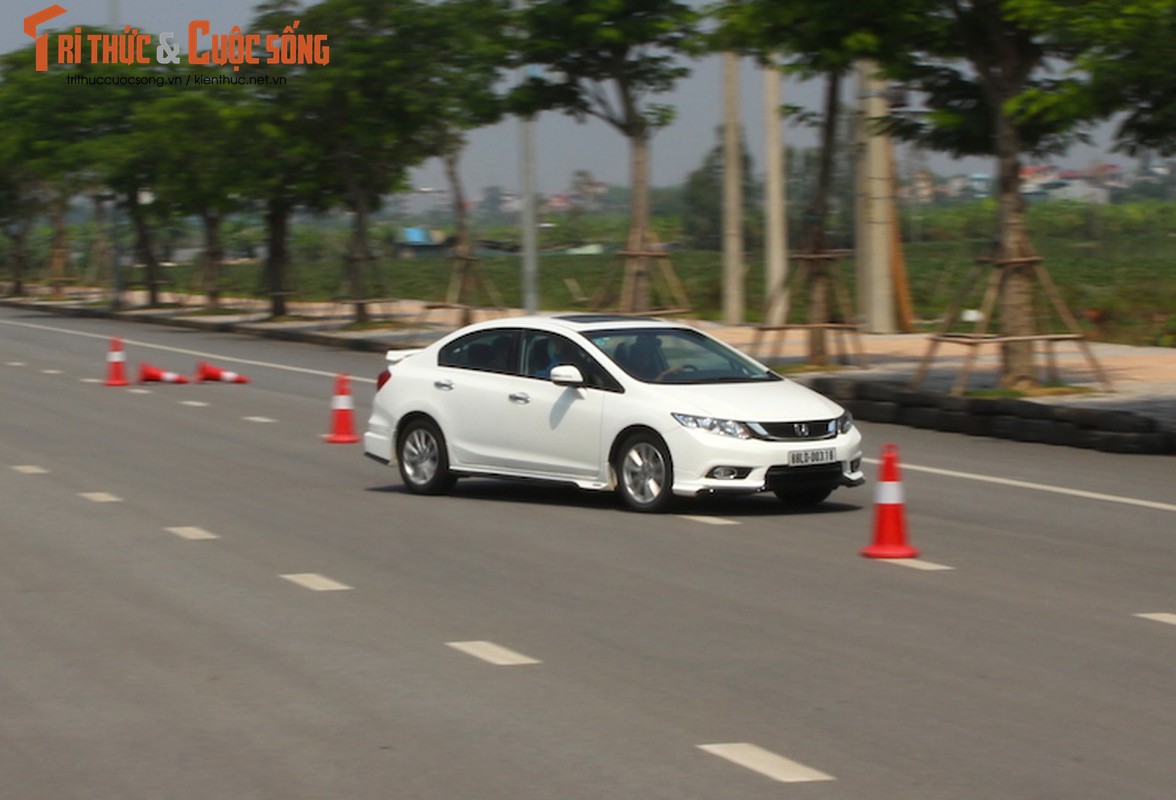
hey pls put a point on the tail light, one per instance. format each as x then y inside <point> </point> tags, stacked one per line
<point>382,378</point>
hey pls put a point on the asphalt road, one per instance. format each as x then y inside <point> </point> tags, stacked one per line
<point>199,598</point>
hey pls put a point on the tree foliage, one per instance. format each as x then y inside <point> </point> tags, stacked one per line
<point>607,59</point>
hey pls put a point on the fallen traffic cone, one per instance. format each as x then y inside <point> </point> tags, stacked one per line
<point>149,374</point>
<point>890,528</point>
<point>116,361</point>
<point>207,372</point>
<point>342,407</point>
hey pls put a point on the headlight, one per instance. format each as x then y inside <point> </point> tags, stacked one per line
<point>845,423</point>
<point>720,427</point>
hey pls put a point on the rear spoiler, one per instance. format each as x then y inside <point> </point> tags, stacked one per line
<point>396,356</point>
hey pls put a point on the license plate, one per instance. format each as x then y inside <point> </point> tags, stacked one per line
<point>802,458</point>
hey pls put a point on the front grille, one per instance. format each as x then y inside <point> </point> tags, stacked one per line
<point>795,431</point>
<point>781,477</point>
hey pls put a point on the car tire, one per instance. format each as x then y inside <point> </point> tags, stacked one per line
<point>803,498</point>
<point>423,459</point>
<point>644,473</point>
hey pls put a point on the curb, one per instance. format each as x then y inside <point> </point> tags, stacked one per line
<point>1105,430</point>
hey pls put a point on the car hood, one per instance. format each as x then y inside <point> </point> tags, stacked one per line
<point>775,401</point>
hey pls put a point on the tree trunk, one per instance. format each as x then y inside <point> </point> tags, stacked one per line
<point>17,255</point>
<point>463,276</point>
<point>59,251</point>
<point>1016,280</point>
<point>213,256</point>
<point>277,216</point>
<point>101,253</point>
<point>637,267</point>
<point>358,259</point>
<point>144,247</point>
<point>461,228</point>
<point>818,310</point>
<point>732,290</point>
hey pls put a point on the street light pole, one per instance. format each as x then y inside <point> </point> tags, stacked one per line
<point>530,269</point>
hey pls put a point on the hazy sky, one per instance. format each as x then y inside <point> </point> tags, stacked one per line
<point>492,159</point>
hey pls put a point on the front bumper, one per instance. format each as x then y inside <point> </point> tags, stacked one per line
<point>759,465</point>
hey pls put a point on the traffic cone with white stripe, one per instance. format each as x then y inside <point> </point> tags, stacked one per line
<point>342,413</point>
<point>890,527</point>
<point>150,374</point>
<point>207,372</point>
<point>116,362</point>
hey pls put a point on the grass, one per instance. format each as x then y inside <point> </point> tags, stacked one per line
<point>1121,289</point>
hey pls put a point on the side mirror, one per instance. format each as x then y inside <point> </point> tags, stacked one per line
<point>566,375</point>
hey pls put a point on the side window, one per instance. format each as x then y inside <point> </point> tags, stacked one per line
<point>542,351</point>
<point>488,351</point>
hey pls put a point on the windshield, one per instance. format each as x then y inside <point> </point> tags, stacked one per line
<point>678,355</point>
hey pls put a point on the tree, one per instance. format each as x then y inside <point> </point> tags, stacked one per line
<point>283,164</point>
<point>702,217</point>
<point>977,63</point>
<point>472,50</point>
<point>70,138</point>
<point>814,40</point>
<point>604,59</point>
<point>203,177</point>
<point>19,197</point>
<point>1121,57</point>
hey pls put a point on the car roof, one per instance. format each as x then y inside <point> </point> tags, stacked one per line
<point>581,323</point>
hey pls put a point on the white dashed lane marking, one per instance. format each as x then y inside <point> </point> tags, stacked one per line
<point>916,563</point>
<point>766,763</point>
<point>706,520</point>
<point>316,582</point>
<point>194,403</point>
<point>192,533</point>
<point>493,654</point>
<point>101,497</point>
<point>1169,619</point>
<point>258,419</point>
<point>30,469</point>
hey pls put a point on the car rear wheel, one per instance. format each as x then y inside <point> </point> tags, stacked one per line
<point>644,473</point>
<point>424,464</point>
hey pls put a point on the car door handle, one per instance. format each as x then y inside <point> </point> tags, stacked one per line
<point>444,386</point>
<point>520,397</point>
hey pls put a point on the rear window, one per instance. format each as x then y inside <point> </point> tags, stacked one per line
<point>489,351</point>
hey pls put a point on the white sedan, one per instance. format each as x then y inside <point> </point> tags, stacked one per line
<point>645,407</point>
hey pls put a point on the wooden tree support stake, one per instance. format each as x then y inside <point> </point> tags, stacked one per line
<point>980,335</point>
<point>816,269</point>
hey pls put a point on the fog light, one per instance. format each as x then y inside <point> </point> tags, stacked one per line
<point>855,465</point>
<point>729,473</point>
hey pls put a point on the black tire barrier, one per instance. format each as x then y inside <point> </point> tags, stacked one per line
<point>1106,430</point>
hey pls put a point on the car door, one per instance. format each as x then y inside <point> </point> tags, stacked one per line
<point>476,377</point>
<point>558,428</point>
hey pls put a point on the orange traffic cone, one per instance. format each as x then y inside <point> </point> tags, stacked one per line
<point>116,361</point>
<point>149,374</point>
<point>207,372</point>
<point>890,528</point>
<point>342,407</point>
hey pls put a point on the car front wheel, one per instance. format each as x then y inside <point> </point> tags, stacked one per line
<point>424,464</point>
<point>644,473</point>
